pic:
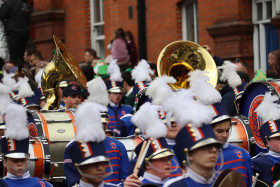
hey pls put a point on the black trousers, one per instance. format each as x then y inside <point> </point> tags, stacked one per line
<point>17,42</point>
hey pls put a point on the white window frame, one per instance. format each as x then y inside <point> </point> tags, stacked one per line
<point>259,38</point>
<point>94,37</point>
<point>184,25</point>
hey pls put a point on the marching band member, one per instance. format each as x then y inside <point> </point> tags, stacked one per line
<point>72,96</point>
<point>232,157</point>
<point>15,146</point>
<point>115,150</point>
<point>264,164</point>
<point>115,90</point>
<point>157,155</point>
<point>87,152</point>
<point>235,158</point>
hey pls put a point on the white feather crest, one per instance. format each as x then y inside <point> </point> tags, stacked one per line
<point>16,122</point>
<point>147,119</point>
<point>142,72</point>
<point>203,90</point>
<point>159,91</point>
<point>230,75</point>
<point>186,110</point>
<point>88,122</point>
<point>4,89</point>
<point>8,80</point>
<point>38,77</point>
<point>98,91</point>
<point>23,87</point>
<point>114,71</point>
<point>268,109</point>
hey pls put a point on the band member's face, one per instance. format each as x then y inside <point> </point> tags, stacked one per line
<point>16,166</point>
<point>204,158</point>
<point>222,130</point>
<point>72,101</point>
<point>115,97</point>
<point>96,169</point>
<point>2,132</point>
<point>172,131</point>
<point>274,144</point>
<point>162,164</point>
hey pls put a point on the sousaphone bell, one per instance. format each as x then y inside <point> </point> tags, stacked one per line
<point>179,58</point>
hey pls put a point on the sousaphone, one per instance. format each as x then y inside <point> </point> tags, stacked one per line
<point>62,67</point>
<point>179,58</point>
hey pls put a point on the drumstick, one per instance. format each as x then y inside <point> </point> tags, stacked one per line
<point>255,181</point>
<point>141,156</point>
<point>53,169</point>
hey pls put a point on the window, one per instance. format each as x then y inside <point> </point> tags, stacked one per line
<point>189,21</point>
<point>97,27</point>
<point>265,38</point>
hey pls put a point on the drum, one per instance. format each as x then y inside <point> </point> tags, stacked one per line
<point>39,164</point>
<point>58,129</point>
<point>251,98</point>
<point>130,143</point>
<point>241,134</point>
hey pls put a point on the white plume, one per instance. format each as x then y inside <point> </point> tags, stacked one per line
<point>98,91</point>
<point>5,98</point>
<point>268,109</point>
<point>186,110</point>
<point>16,122</point>
<point>159,91</point>
<point>8,80</point>
<point>142,72</point>
<point>38,77</point>
<point>23,87</point>
<point>147,120</point>
<point>229,74</point>
<point>203,90</point>
<point>88,122</point>
<point>114,71</point>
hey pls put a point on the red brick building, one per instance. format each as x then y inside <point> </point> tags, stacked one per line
<point>247,30</point>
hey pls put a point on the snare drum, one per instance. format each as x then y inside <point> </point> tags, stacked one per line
<point>130,143</point>
<point>58,129</point>
<point>251,98</point>
<point>241,134</point>
<point>39,164</point>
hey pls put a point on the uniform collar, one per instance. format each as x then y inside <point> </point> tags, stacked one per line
<point>273,154</point>
<point>84,184</point>
<point>113,104</point>
<point>14,177</point>
<point>153,178</point>
<point>198,178</point>
<point>225,145</point>
<point>170,142</point>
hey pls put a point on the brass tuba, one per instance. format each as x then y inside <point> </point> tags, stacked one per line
<point>178,58</point>
<point>62,67</point>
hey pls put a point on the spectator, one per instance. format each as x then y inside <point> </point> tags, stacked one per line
<point>241,66</point>
<point>16,15</point>
<point>119,49</point>
<point>274,63</point>
<point>90,54</point>
<point>131,48</point>
<point>128,83</point>
<point>27,55</point>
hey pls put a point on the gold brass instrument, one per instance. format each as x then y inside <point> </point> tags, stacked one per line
<point>62,67</point>
<point>178,58</point>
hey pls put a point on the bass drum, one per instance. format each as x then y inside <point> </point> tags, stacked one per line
<point>130,143</point>
<point>241,134</point>
<point>39,164</point>
<point>251,98</point>
<point>58,129</point>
